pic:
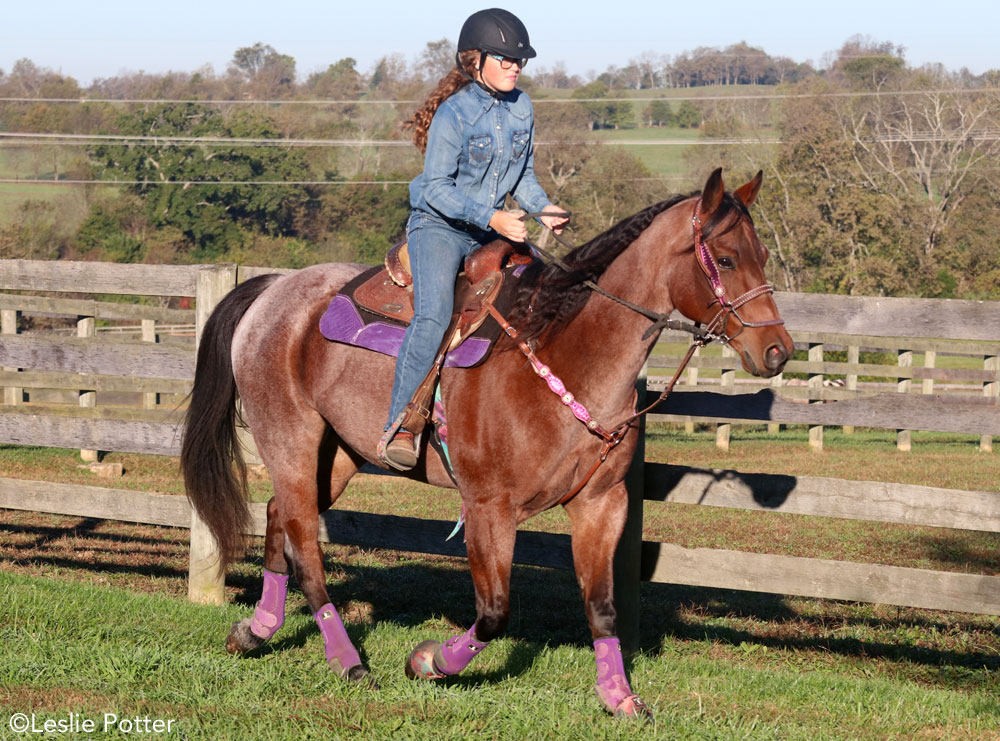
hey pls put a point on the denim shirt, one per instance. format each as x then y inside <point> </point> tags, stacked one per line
<point>479,149</point>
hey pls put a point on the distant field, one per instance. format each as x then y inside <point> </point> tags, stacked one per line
<point>12,195</point>
<point>25,165</point>
<point>661,149</point>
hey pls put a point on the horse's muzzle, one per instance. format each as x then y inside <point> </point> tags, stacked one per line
<point>775,357</point>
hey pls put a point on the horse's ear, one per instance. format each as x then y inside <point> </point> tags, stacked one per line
<point>747,193</point>
<point>712,194</point>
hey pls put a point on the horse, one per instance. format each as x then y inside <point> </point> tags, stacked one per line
<point>316,408</point>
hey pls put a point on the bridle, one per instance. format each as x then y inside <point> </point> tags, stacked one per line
<point>718,326</point>
<point>716,329</point>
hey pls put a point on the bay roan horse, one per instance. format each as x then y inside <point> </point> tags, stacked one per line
<point>316,411</point>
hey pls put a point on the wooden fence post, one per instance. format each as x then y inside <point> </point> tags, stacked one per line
<point>149,398</point>
<point>692,380</point>
<point>8,325</point>
<point>628,558</point>
<point>86,326</point>
<point>904,438</point>
<point>206,583</point>
<point>816,382</point>
<point>724,430</point>
<point>776,382</point>
<point>851,381</point>
<point>930,361</point>
<point>990,388</point>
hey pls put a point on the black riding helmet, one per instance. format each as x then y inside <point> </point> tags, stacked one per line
<point>497,31</point>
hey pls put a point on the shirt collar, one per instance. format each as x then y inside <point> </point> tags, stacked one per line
<point>488,98</point>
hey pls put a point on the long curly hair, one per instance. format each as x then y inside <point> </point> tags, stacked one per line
<point>447,86</point>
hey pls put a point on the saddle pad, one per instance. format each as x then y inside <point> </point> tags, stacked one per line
<point>347,322</point>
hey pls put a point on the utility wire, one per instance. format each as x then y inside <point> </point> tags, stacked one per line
<point>123,140</point>
<point>536,100</point>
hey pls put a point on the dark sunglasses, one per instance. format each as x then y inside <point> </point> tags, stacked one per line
<point>508,62</point>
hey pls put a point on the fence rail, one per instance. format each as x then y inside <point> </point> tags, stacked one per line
<point>966,331</point>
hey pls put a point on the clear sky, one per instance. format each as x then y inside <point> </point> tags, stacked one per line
<point>104,38</point>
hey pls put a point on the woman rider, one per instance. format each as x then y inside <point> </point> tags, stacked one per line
<point>476,130</point>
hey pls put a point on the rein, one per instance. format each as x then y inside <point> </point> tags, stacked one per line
<point>611,438</point>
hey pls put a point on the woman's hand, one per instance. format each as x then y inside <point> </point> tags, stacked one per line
<point>555,223</point>
<point>508,225</point>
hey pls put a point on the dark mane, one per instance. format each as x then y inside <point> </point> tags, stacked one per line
<point>549,296</point>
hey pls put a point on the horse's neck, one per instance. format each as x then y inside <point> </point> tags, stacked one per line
<point>606,337</point>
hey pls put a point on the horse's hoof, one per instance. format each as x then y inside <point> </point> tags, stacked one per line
<point>420,664</point>
<point>359,675</point>
<point>241,639</point>
<point>633,707</point>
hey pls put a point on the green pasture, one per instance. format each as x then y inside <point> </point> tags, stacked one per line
<point>94,619</point>
<point>12,195</point>
<point>710,668</point>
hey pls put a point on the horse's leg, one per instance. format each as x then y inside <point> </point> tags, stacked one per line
<point>490,532</point>
<point>299,511</point>
<point>269,613</point>
<point>598,520</point>
<point>307,479</point>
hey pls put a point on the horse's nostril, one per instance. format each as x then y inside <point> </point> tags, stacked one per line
<point>775,357</point>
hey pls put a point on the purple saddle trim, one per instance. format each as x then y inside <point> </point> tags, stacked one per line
<point>343,323</point>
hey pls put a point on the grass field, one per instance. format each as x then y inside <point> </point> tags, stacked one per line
<point>95,621</point>
<point>79,648</point>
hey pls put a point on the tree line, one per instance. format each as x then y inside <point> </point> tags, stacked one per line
<point>880,178</point>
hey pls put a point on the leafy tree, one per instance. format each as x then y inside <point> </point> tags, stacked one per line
<point>611,184</point>
<point>688,116</point>
<point>370,217</point>
<point>603,115</point>
<point>340,81</point>
<point>658,113</point>
<point>269,73</point>
<point>176,180</point>
<point>437,59</point>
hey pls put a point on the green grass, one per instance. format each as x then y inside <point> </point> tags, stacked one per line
<point>13,195</point>
<point>95,619</point>
<point>663,160</point>
<point>70,647</point>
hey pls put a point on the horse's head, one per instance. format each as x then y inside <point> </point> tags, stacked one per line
<point>727,290</point>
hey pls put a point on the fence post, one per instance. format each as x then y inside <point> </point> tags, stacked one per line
<point>628,558</point>
<point>930,361</point>
<point>86,326</point>
<point>904,438</point>
<point>149,398</point>
<point>8,325</point>
<point>776,382</point>
<point>205,581</point>
<point>692,380</point>
<point>816,382</point>
<point>724,430</point>
<point>851,382</point>
<point>990,388</point>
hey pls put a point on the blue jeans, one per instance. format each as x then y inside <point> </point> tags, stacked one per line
<point>437,251</point>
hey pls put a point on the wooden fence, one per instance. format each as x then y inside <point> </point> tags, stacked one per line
<point>958,392</point>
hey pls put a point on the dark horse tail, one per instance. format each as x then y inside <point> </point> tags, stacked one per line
<point>214,471</point>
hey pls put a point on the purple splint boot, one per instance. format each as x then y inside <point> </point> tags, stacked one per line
<point>340,652</point>
<point>612,688</point>
<point>269,614</point>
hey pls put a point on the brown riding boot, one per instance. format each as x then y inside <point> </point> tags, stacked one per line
<point>401,451</point>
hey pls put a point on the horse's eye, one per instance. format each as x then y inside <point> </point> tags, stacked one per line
<point>727,263</point>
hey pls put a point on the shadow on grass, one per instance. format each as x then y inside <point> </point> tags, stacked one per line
<point>546,608</point>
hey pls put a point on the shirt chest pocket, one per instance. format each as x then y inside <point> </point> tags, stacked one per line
<point>480,150</point>
<point>520,144</point>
